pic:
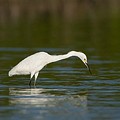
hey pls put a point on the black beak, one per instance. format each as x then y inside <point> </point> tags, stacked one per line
<point>88,68</point>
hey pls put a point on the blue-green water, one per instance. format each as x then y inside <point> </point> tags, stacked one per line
<point>65,89</point>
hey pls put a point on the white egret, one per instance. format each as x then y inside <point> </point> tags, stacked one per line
<point>34,63</point>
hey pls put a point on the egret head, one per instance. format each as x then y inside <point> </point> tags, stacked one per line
<point>83,57</point>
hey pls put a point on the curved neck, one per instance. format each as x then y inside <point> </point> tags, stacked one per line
<point>55,58</point>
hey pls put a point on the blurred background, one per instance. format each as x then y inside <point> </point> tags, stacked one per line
<point>60,24</point>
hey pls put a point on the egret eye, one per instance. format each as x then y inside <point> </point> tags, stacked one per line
<point>85,60</point>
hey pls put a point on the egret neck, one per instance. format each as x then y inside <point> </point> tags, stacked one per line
<point>55,58</point>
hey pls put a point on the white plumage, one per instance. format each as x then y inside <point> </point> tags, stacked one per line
<point>34,63</point>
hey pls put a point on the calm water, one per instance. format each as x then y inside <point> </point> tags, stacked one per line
<point>65,89</point>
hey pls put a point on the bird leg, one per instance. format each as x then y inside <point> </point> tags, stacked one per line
<point>30,83</point>
<point>31,76</point>
<point>36,75</point>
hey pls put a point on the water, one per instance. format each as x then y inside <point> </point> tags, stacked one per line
<point>65,89</point>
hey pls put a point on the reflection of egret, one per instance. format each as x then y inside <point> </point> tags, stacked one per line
<point>45,96</point>
<point>45,104</point>
<point>34,63</point>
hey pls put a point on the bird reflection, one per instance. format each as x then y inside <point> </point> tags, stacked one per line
<point>48,97</point>
<point>49,102</point>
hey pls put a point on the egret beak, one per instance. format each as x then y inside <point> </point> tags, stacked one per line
<point>88,68</point>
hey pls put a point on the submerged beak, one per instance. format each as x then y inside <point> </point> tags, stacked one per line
<point>88,68</point>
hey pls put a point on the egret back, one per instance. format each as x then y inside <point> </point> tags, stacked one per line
<point>33,63</point>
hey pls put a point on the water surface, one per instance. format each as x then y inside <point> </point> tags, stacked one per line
<point>65,89</point>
